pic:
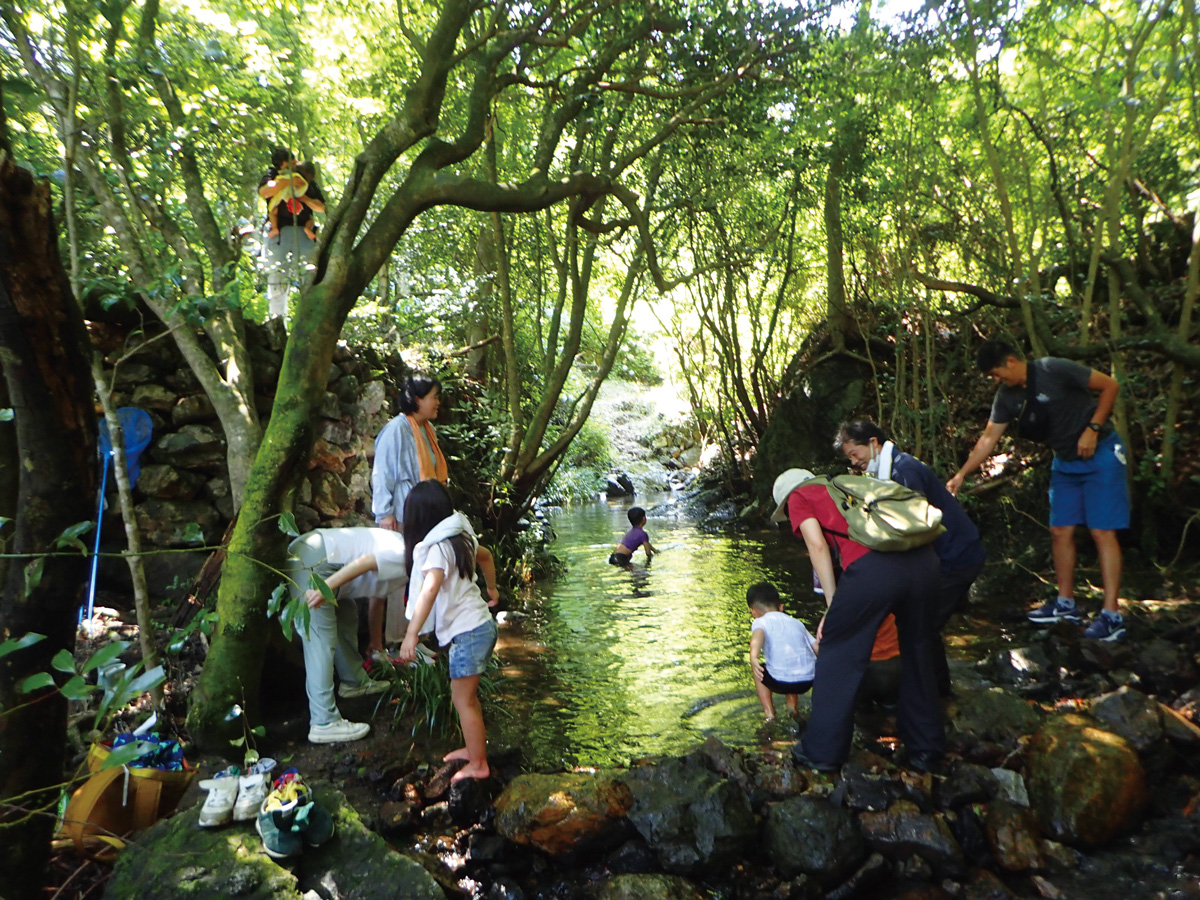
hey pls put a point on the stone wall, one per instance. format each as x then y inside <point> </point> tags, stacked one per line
<point>184,478</point>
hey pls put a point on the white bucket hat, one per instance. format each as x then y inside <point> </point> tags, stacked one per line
<point>787,482</point>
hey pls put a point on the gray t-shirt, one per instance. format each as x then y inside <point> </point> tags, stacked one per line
<point>1062,385</point>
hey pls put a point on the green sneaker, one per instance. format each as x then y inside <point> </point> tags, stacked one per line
<point>284,816</point>
<point>319,826</point>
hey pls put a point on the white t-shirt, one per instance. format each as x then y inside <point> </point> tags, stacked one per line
<point>459,606</point>
<point>787,648</point>
<point>344,545</point>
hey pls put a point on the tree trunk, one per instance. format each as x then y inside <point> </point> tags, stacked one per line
<point>45,352</point>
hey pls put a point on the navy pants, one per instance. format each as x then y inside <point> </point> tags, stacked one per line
<point>880,583</point>
<point>954,589</point>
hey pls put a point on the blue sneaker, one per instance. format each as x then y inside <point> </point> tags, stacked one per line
<point>1106,627</point>
<point>1054,611</point>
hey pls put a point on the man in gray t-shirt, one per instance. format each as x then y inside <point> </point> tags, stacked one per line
<point>1088,476</point>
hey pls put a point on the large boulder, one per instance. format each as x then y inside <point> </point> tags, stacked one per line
<point>177,858</point>
<point>564,814</point>
<point>808,835</point>
<point>692,818</point>
<point>1086,784</point>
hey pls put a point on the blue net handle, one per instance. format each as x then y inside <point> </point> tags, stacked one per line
<point>137,427</point>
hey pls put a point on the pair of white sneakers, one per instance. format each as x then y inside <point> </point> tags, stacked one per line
<point>233,796</point>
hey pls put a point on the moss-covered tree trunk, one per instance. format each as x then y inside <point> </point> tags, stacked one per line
<point>45,352</point>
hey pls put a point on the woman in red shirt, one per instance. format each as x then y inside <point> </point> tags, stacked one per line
<point>873,584</point>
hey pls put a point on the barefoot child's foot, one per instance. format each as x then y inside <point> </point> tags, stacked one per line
<point>460,753</point>
<point>471,771</point>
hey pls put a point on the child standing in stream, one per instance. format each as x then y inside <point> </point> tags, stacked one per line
<point>442,554</point>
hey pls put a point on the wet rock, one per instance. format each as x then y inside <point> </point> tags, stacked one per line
<point>899,833</point>
<point>914,868</point>
<point>922,892</point>
<point>1010,786</point>
<point>1014,837</point>
<point>1086,784</point>
<point>1018,664</point>
<point>436,818</point>
<point>505,889</point>
<point>773,777</point>
<point>964,783</point>
<point>874,871</point>
<point>176,858</point>
<point>631,857</point>
<point>1179,728</point>
<point>1046,889</point>
<point>470,798</point>
<point>564,814</point>
<point>690,817</point>
<point>1165,665</point>
<point>867,791</point>
<point>992,715</point>
<point>1132,715</point>
<point>485,848</point>
<point>1059,857</point>
<point>808,835</point>
<point>645,887</point>
<point>397,817</point>
<point>969,830</point>
<point>1101,656</point>
<point>986,885</point>
<point>169,483</point>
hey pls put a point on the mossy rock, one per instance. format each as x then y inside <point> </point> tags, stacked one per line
<point>645,887</point>
<point>178,860</point>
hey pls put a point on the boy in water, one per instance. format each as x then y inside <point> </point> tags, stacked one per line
<point>634,538</point>
<point>789,651</point>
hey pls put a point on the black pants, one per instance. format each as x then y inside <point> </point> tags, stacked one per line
<point>880,583</point>
<point>953,590</point>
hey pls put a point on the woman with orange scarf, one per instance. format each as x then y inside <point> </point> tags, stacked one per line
<point>406,453</point>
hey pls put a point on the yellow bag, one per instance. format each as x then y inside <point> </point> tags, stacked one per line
<point>115,802</point>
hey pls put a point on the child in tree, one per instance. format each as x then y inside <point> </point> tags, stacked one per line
<point>634,538</point>
<point>789,651</point>
<point>442,553</point>
<point>289,193</point>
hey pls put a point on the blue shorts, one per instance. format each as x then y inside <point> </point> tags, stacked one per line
<point>471,651</point>
<point>1091,492</point>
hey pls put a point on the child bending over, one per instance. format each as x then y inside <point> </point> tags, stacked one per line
<point>634,538</point>
<point>789,650</point>
<point>441,555</point>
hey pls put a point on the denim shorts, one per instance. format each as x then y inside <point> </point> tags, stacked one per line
<point>471,651</point>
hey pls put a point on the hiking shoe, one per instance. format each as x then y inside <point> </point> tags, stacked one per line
<point>1054,611</point>
<point>363,689</point>
<point>252,790</point>
<point>1106,627</point>
<point>222,796</point>
<point>337,731</point>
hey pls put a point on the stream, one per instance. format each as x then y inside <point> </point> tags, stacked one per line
<point>614,663</point>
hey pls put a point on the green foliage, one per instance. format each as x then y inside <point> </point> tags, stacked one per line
<point>422,691</point>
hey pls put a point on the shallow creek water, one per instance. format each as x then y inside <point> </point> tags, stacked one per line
<point>613,663</point>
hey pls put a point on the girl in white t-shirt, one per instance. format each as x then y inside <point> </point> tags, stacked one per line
<point>442,554</point>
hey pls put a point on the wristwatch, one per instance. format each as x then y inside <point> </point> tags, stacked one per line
<point>1095,427</point>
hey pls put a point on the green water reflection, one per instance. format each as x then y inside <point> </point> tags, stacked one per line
<point>650,658</point>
